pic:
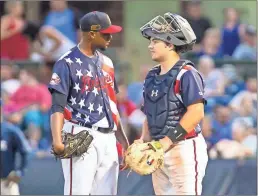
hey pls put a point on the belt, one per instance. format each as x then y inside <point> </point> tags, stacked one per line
<point>100,129</point>
<point>183,139</point>
<point>190,137</point>
<point>173,145</point>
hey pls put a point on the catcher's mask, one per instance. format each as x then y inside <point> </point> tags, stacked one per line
<point>170,28</point>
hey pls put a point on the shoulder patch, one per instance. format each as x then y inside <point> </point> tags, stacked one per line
<point>55,79</point>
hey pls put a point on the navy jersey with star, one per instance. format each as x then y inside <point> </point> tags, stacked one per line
<point>90,87</point>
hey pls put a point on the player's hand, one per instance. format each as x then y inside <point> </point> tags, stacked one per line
<point>58,148</point>
<point>166,143</point>
<point>138,141</point>
<point>123,165</point>
<point>12,177</point>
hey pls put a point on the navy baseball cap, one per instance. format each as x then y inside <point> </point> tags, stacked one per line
<point>98,21</point>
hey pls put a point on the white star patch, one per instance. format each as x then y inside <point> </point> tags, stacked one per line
<point>79,73</point>
<point>78,60</point>
<point>100,109</point>
<point>68,60</point>
<point>77,87</point>
<point>91,107</point>
<point>89,73</point>
<point>82,103</point>
<point>87,118</point>
<point>95,91</point>
<point>73,100</point>
<point>79,115</point>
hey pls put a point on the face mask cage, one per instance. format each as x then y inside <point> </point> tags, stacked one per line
<point>160,24</point>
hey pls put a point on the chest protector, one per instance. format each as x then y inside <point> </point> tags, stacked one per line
<point>162,107</point>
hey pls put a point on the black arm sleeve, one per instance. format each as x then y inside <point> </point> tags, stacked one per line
<point>59,102</point>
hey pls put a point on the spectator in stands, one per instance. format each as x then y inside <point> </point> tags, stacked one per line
<point>230,31</point>
<point>4,96</point>
<point>247,49</point>
<point>12,25</point>
<point>243,145</point>
<point>213,77</point>
<point>125,106</point>
<point>129,113</point>
<point>218,125</point>
<point>248,109</point>
<point>211,44</point>
<point>243,131</point>
<point>50,45</point>
<point>198,22</point>
<point>247,98</point>
<point>29,105</point>
<point>9,78</point>
<point>64,19</point>
<point>233,82</point>
<point>135,88</point>
<point>12,142</point>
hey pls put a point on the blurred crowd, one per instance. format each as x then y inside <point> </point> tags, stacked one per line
<point>229,125</point>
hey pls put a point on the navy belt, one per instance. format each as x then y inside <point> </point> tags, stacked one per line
<point>100,129</point>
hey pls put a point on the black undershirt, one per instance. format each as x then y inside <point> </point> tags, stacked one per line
<point>59,102</point>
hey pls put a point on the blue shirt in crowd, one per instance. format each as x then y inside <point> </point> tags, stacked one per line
<point>67,22</point>
<point>230,40</point>
<point>220,131</point>
<point>245,52</point>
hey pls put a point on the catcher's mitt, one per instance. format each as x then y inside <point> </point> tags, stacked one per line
<point>142,161</point>
<point>74,145</point>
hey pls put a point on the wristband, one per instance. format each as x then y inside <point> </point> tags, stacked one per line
<point>177,134</point>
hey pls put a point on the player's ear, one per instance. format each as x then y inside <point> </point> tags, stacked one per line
<point>92,34</point>
<point>170,46</point>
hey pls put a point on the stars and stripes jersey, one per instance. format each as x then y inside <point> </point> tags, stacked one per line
<point>90,86</point>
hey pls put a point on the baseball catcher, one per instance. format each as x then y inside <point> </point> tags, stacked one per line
<point>145,158</point>
<point>173,102</point>
<point>74,145</point>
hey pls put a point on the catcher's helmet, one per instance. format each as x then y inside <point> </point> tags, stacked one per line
<point>170,28</point>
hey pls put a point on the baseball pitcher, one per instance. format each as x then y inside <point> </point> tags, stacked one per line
<point>85,122</point>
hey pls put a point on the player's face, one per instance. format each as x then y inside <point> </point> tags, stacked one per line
<point>158,49</point>
<point>102,40</point>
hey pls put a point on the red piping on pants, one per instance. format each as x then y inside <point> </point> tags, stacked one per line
<point>196,171</point>
<point>71,170</point>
